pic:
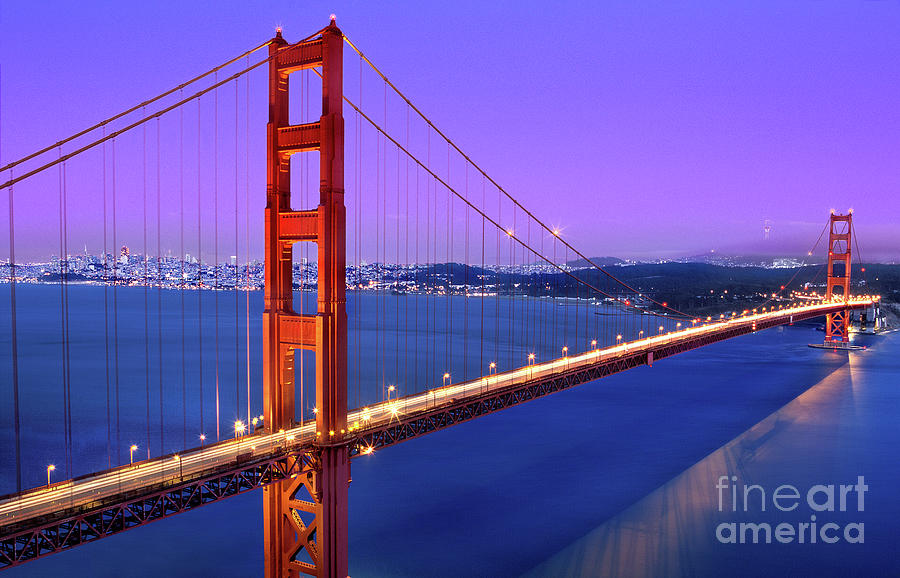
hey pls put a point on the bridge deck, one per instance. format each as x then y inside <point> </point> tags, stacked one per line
<point>50,518</point>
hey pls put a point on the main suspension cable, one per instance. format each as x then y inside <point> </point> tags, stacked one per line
<point>507,194</point>
<point>511,234</point>
<point>134,108</point>
<point>145,119</point>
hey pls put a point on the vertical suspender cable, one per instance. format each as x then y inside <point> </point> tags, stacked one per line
<point>382,268</point>
<point>146,296</point>
<point>159,346</point>
<point>115,292</point>
<point>66,303</point>
<point>466,289</point>
<point>497,277</point>
<point>406,260</point>
<point>200,267</point>
<point>14,334</point>
<point>427,267</point>
<point>215,177</point>
<point>247,231</point>
<point>181,260</point>
<point>359,227</point>
<point>237,317</point>
<point>378,240</point>
<point>106,314</point>
<point>448,325</point>
<point>397,271</point>
<point>483,275</point>
<point>62,322</point>
<point>14,337</point>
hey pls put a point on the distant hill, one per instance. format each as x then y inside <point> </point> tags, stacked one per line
<point>601,261</point>
<point>701,286</point>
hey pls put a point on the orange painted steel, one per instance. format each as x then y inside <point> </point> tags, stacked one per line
<point>837,325</point>
<point>306,517</point>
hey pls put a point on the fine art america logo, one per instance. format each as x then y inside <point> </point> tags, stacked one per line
<point>819,502</point>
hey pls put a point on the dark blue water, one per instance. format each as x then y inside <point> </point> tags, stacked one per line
<point>613,477</point>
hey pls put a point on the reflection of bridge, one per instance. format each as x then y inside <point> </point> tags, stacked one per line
<point>305,468</point>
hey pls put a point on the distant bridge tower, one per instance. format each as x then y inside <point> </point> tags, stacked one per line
<point>306,517</point>
<point>838,324</point>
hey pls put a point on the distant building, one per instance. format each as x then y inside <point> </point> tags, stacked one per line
<point>123,255</point>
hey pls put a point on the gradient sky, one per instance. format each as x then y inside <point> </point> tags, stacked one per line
<point>641,129</point>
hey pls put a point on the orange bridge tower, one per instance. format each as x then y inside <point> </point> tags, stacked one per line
<point>837,325</point>
<point>306,517</point>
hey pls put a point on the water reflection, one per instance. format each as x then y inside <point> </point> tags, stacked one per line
<point>816,438</point>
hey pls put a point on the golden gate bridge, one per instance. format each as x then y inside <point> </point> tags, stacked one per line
<point>426,224</point>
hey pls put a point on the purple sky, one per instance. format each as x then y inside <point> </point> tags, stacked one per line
<point>640,130</point>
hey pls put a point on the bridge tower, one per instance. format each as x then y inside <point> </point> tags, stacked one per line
<point>306,517</point>
<point>839,236</point>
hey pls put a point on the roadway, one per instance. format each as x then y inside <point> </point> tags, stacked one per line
<point>92,489</point>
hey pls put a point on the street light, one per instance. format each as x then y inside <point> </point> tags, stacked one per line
<point>565,351</point>
<point>618,339</point>
<point>640,333</point>
<point>492,368</point>
<point>661,329</point>
<point>202,439</point>
<point>180,469</point>
<point>446,377</point>
<point>238,428</point>
<point>132,449</point>
<point>530,359</point>
<point>50,468</point>
<point>593,343</point>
